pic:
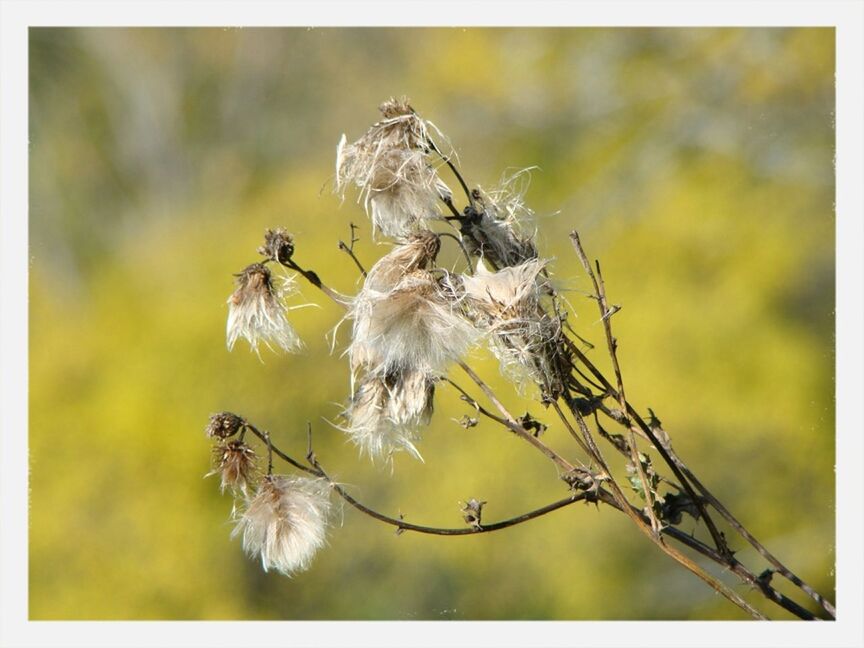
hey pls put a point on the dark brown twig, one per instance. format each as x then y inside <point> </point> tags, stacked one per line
<point>349,249</point>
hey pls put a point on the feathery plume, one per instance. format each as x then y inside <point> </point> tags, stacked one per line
<point>285,522</point>
<point>386,412</point>
<point>236,464</point>
<point>414,326</point>
<point>522,335</point>
<point>494,231</point>
<point>256,310</point>
<point>399,187</point>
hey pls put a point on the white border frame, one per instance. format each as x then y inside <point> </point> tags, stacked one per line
<point>17,16</point>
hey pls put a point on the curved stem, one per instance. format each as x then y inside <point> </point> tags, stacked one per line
<point>455,171</point>
<point>315,280</point>
<point>510,422</point>
<point>317,471</point>
<point>461,247</point>
<point>402,525</point>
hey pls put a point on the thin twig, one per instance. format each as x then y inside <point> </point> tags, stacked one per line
<point>315,280</point>
<point>456,173</point>
<point>461,247</point>
<point>761,549</point>
<point>349,249</point>
<point>646,529</point>
<point>612,345</point>
<point>483,411</point>
<point>716,536</point>
<point>510,422</point>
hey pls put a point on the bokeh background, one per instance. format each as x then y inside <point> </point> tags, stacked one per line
<point>697,164</point>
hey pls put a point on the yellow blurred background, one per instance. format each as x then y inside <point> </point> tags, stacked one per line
<point>697,164</point>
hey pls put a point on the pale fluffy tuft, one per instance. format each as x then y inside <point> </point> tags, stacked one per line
<point>285,522</point>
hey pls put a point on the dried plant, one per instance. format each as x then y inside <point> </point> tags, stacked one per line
<point>412,322</point>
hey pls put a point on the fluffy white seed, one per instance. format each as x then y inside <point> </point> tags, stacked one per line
<point>385,414</point>
<point>256,311</point>
<point>414,327</point>
<point>285,522</point>
<point>399,187</point>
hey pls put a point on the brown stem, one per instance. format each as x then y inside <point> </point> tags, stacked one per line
<point>349,250</point>
<point>612,345</point>
<point>315,280</point>
<point>716,536</point>
<point>646,529</point>
<point>510,422</point>
<point>317,470</point>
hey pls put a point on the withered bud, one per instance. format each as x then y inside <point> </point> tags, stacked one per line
<point>235,463</point>
<point>531,424</point>
<point>467,421</point>
<point>582,479</point>
<point>278,245</point>
<point>472,513</point>
<point>223,425</point>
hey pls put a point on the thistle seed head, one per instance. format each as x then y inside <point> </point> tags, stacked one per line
<point>417,252</point>
<point>386,412</point>
<point>256,311</point>
<point>412,327</point>
<point>399,187</point>
<point>223,425</point>
<point>285,522</point>
<point>494,232</point>
<point>236,464</point>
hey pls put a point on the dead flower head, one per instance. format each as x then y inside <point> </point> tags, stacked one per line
<point>223,425</point>
<point>256,310</point>
<point>495,233</point>
<point>285,522</point>
<point>506,306</point>
<point>386,412</point>
<point>399,187</point>
<point>278,245</point>
<point>415,326</point>
<point>236,464</point>
<point>416,252</point>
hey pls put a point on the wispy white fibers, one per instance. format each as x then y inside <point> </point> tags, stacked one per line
<point>502,211</point>
<point>508,293</point>
<point>286,522</point>
<point>403,319</point>
<point>256,311</point>
<point>386,412</point>
<point>399,187</point>
<point>407,327</point>
<point>415,252</point>
<point>506,305</point>
<point>414,326</point>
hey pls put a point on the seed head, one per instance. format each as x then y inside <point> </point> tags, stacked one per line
<point>399,187</point>
<point>415,326</point>
<point>494,231</point>
<point>256,311</point>
<point>506,305</point>
<point>223,425</point>
<point>417,252</point>
<point>285,522</point>
<point>386,412</point>
<point>236,464</point>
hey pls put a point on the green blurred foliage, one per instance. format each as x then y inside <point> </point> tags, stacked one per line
<point>697,164</point>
